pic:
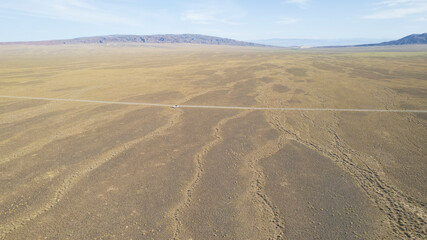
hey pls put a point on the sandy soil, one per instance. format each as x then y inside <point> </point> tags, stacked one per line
<point>79,170</point>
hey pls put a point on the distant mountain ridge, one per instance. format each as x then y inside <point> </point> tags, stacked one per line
<point>410,39</point>
<point>299,42</point>
<point>342,43</point>
<point>160,38</point>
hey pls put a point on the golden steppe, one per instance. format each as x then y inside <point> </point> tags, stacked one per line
<point>81,170</point>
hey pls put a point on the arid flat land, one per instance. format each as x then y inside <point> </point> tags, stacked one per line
<point>85,170</point>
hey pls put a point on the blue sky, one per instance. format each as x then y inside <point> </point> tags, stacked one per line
<point>24,20</point>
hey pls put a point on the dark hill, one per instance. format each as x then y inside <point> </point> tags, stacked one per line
<point>141,39</point>
<point>411,39</point>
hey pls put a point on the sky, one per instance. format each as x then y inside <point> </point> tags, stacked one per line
<point>29,20</point>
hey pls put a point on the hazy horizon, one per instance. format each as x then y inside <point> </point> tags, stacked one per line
<point>33,20</point>
<point>284,42</point>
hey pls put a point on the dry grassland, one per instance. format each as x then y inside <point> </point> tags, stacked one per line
<point>72,170</point>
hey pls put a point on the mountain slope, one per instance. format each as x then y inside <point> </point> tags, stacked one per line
<point>411,39</point>
<point>298,42</point>
<point>163,38</point>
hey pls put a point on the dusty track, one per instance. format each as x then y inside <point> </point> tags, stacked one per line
<point>223,107</point>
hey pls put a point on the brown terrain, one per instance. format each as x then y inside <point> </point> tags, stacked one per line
<point>81,170</point>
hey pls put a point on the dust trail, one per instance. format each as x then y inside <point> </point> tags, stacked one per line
<point>225,107</point>
<point>74,178</point>
<point>198,160</point>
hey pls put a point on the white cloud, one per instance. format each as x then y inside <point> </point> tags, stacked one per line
<point>389,9</point>
<point>300,3</point>
<point>212,14</point>
<point>395,13</point>
<point>421,19</point>
<point>200,17</point>
<point>69,10</point>
<point>287,21</point>
<point>297,1</point>
<point>391,3</point>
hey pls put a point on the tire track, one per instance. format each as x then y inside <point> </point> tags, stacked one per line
<point>198,161</point>
<point>92,165</point>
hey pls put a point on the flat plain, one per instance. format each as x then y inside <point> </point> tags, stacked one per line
<point>81,170</point>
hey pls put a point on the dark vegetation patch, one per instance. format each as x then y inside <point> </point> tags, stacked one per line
<point>209,97</point>
<point>316,198</point>
<point>103,138</point>
<point>280,88</point>
<point>225,178</point>
<point>205,72</point>
<point>408,106</point>
<point>266,79</point>
<point>30,75</point>
<point>245,86</point>
<point>390,73</point>
<point>154,173</point>
<point>357,115</point>
<point>299,91</point>
<point>270,66</point>
<point>234,74</point>
<point>410,74</point>
<point>155,97</point>
<point>103,109</point>
<point>21,105</point>
<point>66,89</point>
<point>24,83</point>
<point>8,130</point>
<point>327,67</point>
<point>297,72</point>
<point>366,74</point>
<point>421,116</point>
<point>419,92</point>
<point>64,152</point>
<point>291,121</point>
<point>377,70</point>
<point>293,100</point>
<point>265,66</point>
<point>240,95</point>
<point>372,73</point>
<point>256,68</point>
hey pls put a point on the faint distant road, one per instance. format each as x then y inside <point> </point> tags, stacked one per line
<point>222,107</point>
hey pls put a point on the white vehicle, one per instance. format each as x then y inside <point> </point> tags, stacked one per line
<point>175,106</point>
